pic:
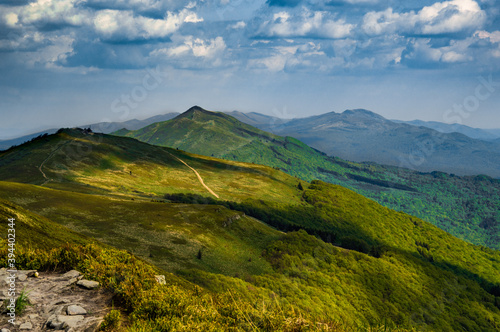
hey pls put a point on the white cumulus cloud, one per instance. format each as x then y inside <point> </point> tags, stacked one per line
<point>305,24</point>
<point>196,47</point>
<point>124,24</point>
<point>438,18</point>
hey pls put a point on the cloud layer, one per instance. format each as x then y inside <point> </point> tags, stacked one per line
<point>334,36</point>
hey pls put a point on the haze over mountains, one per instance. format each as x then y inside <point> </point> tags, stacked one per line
<point>100,127</point>
<point>361,135</point>
<point>482,134</point>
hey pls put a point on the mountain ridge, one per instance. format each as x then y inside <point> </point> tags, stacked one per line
<point>332,256</point>
<point>376,264</point>
<point>476,133</point>
<point>401,189</point>
<point>354,136</point>
<point>101,127</point>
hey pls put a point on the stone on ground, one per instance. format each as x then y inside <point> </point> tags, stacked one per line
<point>89,284</point>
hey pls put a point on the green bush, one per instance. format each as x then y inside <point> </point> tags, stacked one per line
<point>111,322</point>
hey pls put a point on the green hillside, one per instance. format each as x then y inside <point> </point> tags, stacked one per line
<point>176,306</point>
<point>366,266</point>
<point>467,207</point>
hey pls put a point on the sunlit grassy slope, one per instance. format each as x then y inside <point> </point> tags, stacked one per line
<point>32,230</point>
<point>97,162</point>
<point>168,235</point>
<point>467,207</point>
<point>176,306</point>
<point>380,266</point>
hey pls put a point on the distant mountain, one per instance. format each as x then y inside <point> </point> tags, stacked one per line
<point>209,133</point>
<point>100,127</point>
<point>495,132</point>
<point>361,135</point>
<point>482,134</point>
<point>255,119</point>
<point>109,127</point>
<point>470,214</point>
<point>5,144</point>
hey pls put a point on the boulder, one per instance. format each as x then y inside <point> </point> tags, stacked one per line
<point>70,321</point>
<point>71,274</point>
<point>75,310</point>
<point>61,322</point>
<point>89,284</point>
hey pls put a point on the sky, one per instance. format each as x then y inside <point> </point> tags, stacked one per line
<point>75,62</point>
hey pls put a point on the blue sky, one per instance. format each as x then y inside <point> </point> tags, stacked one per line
<point>71,62</point>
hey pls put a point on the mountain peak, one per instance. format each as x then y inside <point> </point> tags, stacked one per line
<point>195,112</point>
<point>364,113</point>
<point>195,109</point>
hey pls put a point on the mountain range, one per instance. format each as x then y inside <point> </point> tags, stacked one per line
<point>482,134</point>
<point>241,246</point>
<point>467,207</point>
<point>361,135</point>
<point>100,127</point>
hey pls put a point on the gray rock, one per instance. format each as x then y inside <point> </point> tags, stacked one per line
<point>54,323</point>
<point>71,281</point>
<point>26,326</point>
<point>93,326</point>
<point>22,277</point>
<point>57,310</point>
<point>70,321</point>
<point>4,330</point>
<point>71,274</point>
<point>61,322</point>
<point>89,284</point>
<point>76,310</point>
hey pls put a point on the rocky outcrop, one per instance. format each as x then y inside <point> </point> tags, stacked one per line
<point>57,302</point>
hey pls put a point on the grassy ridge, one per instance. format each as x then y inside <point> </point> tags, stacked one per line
<point>467,207</point>
<point>382,267</point>
<point>98,163</point>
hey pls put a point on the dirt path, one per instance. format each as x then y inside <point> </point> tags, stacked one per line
<point>48,157</point>
<point>197,174</point>
<point>52,297</point>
